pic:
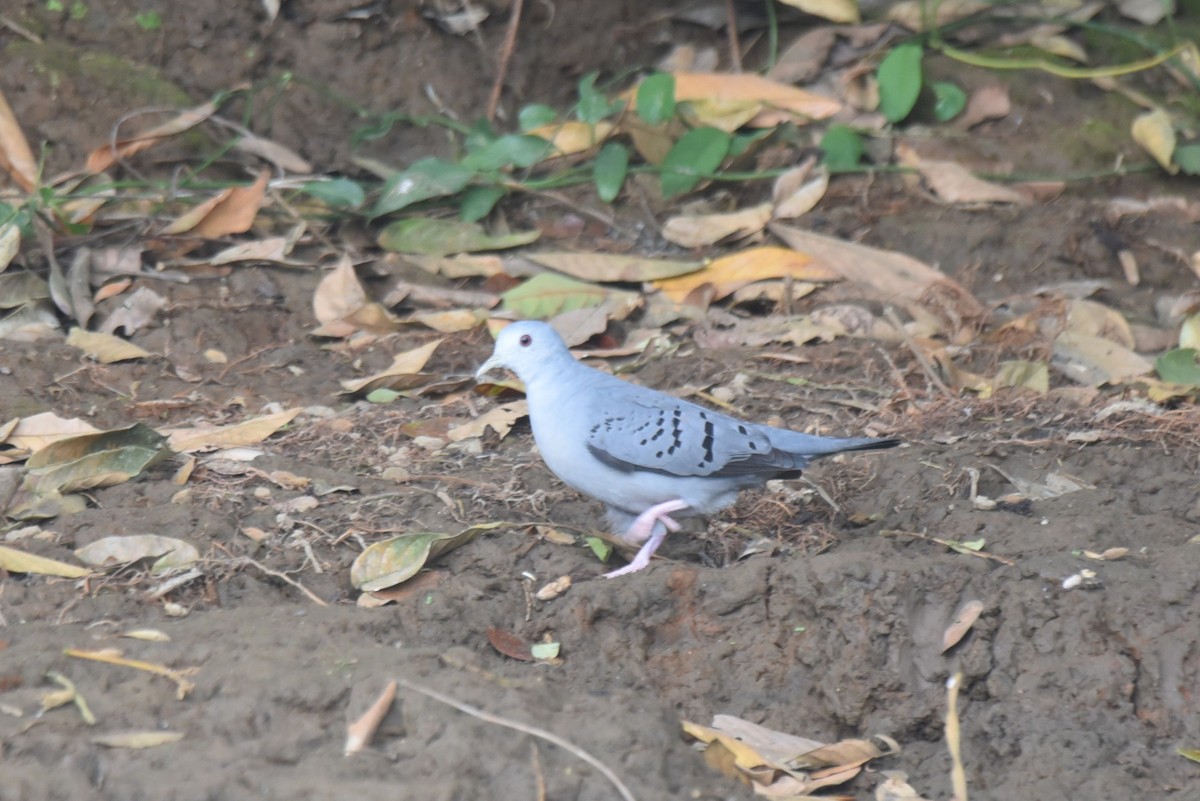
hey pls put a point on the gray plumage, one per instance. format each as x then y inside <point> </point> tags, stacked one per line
<point>642,453</point>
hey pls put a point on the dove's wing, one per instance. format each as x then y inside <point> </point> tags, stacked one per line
<point>645,430</point>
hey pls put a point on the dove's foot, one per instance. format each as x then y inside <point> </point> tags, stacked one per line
<point>644,529</point>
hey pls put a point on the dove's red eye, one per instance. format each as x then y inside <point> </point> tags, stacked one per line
<point>526,340</point>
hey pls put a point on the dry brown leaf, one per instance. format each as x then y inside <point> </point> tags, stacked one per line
<point>891,274</point>
<point>281,156</point>
<point>236,212</point>
<point>451,321</point>
<point>16,157</point>
<point>500,419</point>
<point>730,273</point>
<point>803,59</point>
<point>796,194</point>
<point>966,616</point>
<point>403,373</point>
<point>36,432</point>
<point>954,183</point>
<point>105,156</point>
<point>989,102</point>
<point>509,644</point>
<point>187,440</point>
<point>578,326</point>
<point>1095,319</point>
<point>608,267</point>
<point>1093,360</point>
<point>339,293</point>
<point>462,265</point>
<point>273,248</point>
<point>699,230</point>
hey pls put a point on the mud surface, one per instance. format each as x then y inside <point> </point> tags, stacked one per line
<point>784,612</point>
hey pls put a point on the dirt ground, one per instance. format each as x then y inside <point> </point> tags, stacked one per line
<point>825,627</point>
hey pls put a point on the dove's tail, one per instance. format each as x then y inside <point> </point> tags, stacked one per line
<point>813,447</point>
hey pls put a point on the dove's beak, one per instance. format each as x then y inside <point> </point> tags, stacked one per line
<point>491,364</point>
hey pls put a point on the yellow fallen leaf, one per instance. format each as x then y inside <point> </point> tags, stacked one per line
<point>403,373</point>
<point>730,273</point>
<point>748,87</point>
<point>1156,134</point>
<point>105,348</point>
<point>137,739</point>
<point>16,561</point>
<point>500,420</point>
<point>186,440</point>
<point>573,137</point>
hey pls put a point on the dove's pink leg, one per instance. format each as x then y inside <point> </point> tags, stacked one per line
<point>643,530</point>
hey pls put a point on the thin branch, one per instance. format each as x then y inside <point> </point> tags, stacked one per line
<point>532,731</point>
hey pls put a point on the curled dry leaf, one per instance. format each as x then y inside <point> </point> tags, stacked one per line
<point>106,155</point>
<point>16,157</point>
<point>966,616</point>
<point>187,440</point>
<point>501,420</point>
<point>403,373</point>
<point>798,191</point>
<point>169,553</point>
<point>510,644</point>
<point>1108,555</point>
<point>573,136</point>
<point>844,11</point>
<point>699,230</point>
<point>953,183</point>
<point>339,293</point>
<point>989,102</point>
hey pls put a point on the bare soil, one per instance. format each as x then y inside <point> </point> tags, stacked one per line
<point>826,628</point>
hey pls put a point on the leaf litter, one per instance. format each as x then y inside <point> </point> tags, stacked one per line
<point>942,314</point>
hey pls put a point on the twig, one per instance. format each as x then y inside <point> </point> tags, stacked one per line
<point>506,51</point>
<point>958,776</point>
<point>288,580</point>
<point>922,360</point>
<point>532,731</point>
<point>361,732</point>
<point>957,547</point>
<point>538,775</point>
<point>735,49</point>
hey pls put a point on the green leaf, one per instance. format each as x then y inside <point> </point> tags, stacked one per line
<point>512,150</point>
<point>382,395</point>
<point>656,98</point>
<point>599,547</point>
<point>698,153</point>
<point>443,237</point>
<point>337,193</point>
<point>899,78</point>
<point>545,650</point>
<point>744,141</point>
<point>478,202</point>
<point>548,294</point>
<point>535,115</point>
<point>388,563</point>
<point>609,170</point>
<point>593,106</point>
<point>428,178</point>
<point>843,147</point>
<point>1179,367</point>
<point>1188,158</point>
<point>950,101</point>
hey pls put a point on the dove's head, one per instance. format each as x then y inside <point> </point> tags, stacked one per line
<point>528,348</point>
